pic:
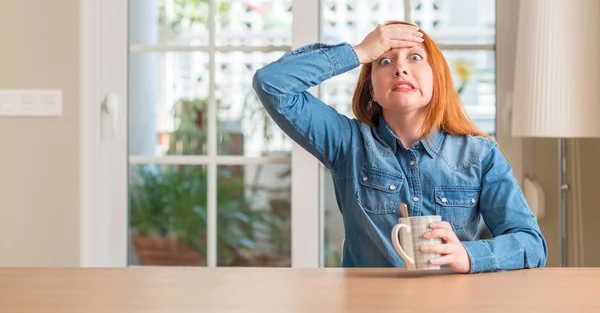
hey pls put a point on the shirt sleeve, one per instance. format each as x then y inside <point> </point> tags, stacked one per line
<point>282,87</point>
<point>517,241</point>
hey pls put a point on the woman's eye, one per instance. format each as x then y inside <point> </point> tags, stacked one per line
<point>415,57</point>
<point>385,61</point>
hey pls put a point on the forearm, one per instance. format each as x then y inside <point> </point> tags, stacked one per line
<point>298,70</point>
<point>282,88</point>
<point>517,239</point>
<point>516,249</point>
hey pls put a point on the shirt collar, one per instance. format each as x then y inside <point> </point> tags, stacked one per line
<point>436,138</point>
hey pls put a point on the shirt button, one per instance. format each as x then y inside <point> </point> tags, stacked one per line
<point>444,200</point>
<point>365,178</point>
<point>472,200</point>
<point>415,199</point>
<point>412,163</point>
<point>392,187</point>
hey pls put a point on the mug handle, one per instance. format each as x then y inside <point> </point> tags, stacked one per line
<point>397,244</point>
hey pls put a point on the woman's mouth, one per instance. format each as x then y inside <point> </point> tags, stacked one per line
<point>403,86</point>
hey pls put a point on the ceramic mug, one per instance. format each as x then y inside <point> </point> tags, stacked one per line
<point>411,230</point>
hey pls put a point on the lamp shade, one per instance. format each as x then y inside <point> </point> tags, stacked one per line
<point>557,69</point>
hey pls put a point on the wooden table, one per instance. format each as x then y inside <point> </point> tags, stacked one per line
<point>285,290</point>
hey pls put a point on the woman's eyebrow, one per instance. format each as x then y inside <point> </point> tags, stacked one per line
<point>419,47</point>
<point>395,53</point>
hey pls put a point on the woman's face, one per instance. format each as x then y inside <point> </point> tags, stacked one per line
<point>402,80</point>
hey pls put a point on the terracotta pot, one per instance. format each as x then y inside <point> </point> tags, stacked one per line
<point>278,261</point>
<point>166,251</point>
<point>254,258</point>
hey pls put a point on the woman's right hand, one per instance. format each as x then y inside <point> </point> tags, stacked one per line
<point>386,37</point>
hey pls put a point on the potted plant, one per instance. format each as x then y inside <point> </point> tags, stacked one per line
<point>168,215</point>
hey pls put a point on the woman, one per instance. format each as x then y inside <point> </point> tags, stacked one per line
<point>411,142</point>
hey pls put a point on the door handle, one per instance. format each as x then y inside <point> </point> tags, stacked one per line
<point>110,106</point>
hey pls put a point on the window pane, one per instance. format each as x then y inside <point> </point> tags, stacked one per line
<point>253,208</point>
<point>172,22</point>
<point>254,23</point>
<point>474,75</point>
<point>168,101</point>
<point>167,215</point>
<point>245,128</point>
<point>456,21</point>
<point>351,20</point>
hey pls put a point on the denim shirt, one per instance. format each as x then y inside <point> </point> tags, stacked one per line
<point>462,178</point>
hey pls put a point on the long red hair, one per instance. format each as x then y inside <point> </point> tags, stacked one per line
<point>445,110</point>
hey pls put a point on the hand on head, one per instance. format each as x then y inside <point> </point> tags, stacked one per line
<point>386,37</point>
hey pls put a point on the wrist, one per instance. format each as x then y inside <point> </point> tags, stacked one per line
<point>362,56</point>
<point>468,260</point>
<point>464,264</point>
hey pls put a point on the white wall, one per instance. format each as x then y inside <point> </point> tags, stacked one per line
<point>39,158</point>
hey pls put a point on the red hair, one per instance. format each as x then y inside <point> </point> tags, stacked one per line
<point>445,110</point>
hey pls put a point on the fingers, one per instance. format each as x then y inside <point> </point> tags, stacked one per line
<point>414,37</point>
<point>442,225</point>
<point>447,252</point>
<point>452,254</point>
<point>402,32</point>
<point>440,249</point>
<point>446,259</point>
<point>443,234</point>
<point>403,28</point>
<point>447,235</point>
<point>402,44</point>
<point>405,40</point>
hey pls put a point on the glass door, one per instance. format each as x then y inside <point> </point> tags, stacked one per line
<point>210,175</point>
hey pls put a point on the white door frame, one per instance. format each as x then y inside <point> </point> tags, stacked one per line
<point>307,238</point>
<point>103,162</point>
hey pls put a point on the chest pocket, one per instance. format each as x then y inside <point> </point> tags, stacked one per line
<point>378,191</point>
<point>457,205</point>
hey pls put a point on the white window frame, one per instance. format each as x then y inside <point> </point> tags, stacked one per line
<point>103,154</point>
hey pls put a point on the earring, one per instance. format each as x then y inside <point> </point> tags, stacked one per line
<point>370,103</point>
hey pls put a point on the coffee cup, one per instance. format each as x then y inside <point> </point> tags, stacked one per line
<point>407,238</point>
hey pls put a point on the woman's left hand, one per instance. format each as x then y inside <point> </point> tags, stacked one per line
<point>451,250</point>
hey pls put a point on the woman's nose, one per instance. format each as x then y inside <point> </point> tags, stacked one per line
<point>398,71</point>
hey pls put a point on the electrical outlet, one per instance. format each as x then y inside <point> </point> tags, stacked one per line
<point>31,102</point>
